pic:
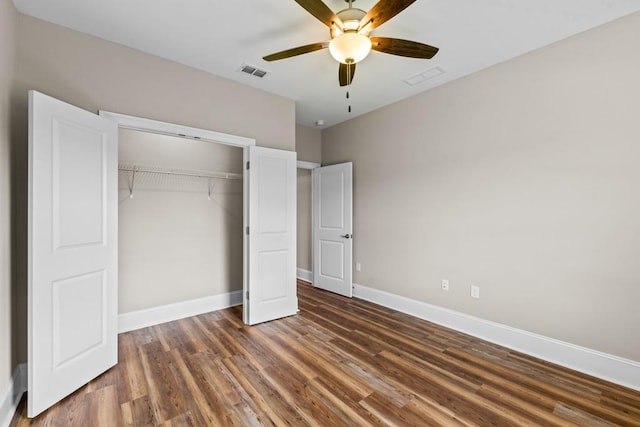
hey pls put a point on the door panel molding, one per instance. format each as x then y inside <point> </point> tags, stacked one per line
<point>332,228</point>
<point>270,254</point>
<point>72,249</point>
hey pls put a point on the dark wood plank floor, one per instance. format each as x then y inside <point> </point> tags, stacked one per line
<point>338,362</point>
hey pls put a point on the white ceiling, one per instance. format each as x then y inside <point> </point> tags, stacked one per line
<point>219,36</point>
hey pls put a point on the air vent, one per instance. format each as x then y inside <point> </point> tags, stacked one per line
<point>252,70</point>
<point>425,75</point>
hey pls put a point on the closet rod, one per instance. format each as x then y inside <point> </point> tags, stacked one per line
<point>222,175</point>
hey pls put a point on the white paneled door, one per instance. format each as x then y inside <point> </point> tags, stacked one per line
<point>332,228</point>
<point>270,287</point>
<point>72,255</point>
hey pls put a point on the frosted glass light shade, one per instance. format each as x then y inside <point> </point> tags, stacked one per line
<point>349,47</point>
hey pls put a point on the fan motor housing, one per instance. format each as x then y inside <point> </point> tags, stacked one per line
<point>351,18</point>
<point>351,14</point>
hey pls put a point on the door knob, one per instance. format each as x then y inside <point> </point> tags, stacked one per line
<point>347,236</point>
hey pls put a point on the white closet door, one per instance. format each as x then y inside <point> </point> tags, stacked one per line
<point>332,228</point>
<point>72,277</point>
<point>270,290</point>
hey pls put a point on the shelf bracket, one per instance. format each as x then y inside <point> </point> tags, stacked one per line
<point>210,188</point>
<point>132,182</point>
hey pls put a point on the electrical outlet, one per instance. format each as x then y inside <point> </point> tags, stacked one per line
<point>444,284</point>
<point>358,266</point>
<point>475,291</point>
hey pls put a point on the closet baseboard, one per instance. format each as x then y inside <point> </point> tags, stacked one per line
<point>167,313</point>
<point>305,275</point>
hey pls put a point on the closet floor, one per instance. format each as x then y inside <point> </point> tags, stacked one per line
<point>339,361</point>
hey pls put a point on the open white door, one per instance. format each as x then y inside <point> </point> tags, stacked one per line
<point>72,277</point>
<point>270,287</point>
<point>332,228</point>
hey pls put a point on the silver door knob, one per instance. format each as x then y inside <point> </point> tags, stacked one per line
<point>347,236</point>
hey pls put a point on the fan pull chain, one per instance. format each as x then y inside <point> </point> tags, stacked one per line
<point>349,78</point>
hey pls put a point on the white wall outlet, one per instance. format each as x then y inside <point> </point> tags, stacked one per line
<point>444,284</point>
<point>475,291</point>
<point>358,266</point>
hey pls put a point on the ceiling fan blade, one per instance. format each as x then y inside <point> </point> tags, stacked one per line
<point>403,47</point>
<point>295,51</point>
<point>321,11</point>
<point>384,10</point>
<point>345,73</point>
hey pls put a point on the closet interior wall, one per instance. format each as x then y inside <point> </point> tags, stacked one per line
<point>180,220</point>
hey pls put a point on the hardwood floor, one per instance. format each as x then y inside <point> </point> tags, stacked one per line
<point>338,362</point>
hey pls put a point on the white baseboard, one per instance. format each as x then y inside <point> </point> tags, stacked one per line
<point>305,275</point>
<point>598,364</point>
<point>167,313</point>
<point>11,396</point>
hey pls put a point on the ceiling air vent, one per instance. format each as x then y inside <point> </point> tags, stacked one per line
<point>254,71</point>
<point>425,75</point>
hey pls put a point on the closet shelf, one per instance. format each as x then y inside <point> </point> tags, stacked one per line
<point>126,167</point>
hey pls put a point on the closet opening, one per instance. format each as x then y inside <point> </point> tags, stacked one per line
<point>180,213</point>
<point>182,209</point>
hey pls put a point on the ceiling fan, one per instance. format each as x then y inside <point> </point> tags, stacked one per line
<point>350,31</point>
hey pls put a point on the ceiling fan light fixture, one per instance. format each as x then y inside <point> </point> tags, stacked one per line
<point>350,47</point>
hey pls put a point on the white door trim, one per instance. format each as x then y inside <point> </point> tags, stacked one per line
<point>305,274</point>
<point>301,164</point>
<point>181,131</point>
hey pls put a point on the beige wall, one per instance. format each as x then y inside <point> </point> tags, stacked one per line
<point>309,149</point>
<point>95,74</point>
<point>174,244</point>
<point>98,75</point>
<point>522,179</point>
<point>308,144</point>
<point>7,25</point>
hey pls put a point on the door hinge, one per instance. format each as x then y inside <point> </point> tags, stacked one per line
<point>247,165</point>
<point>247,294</point>
<point>247,229</point>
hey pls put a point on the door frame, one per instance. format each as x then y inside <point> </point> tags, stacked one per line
<point>301,164</point>
<point>126,121</point>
